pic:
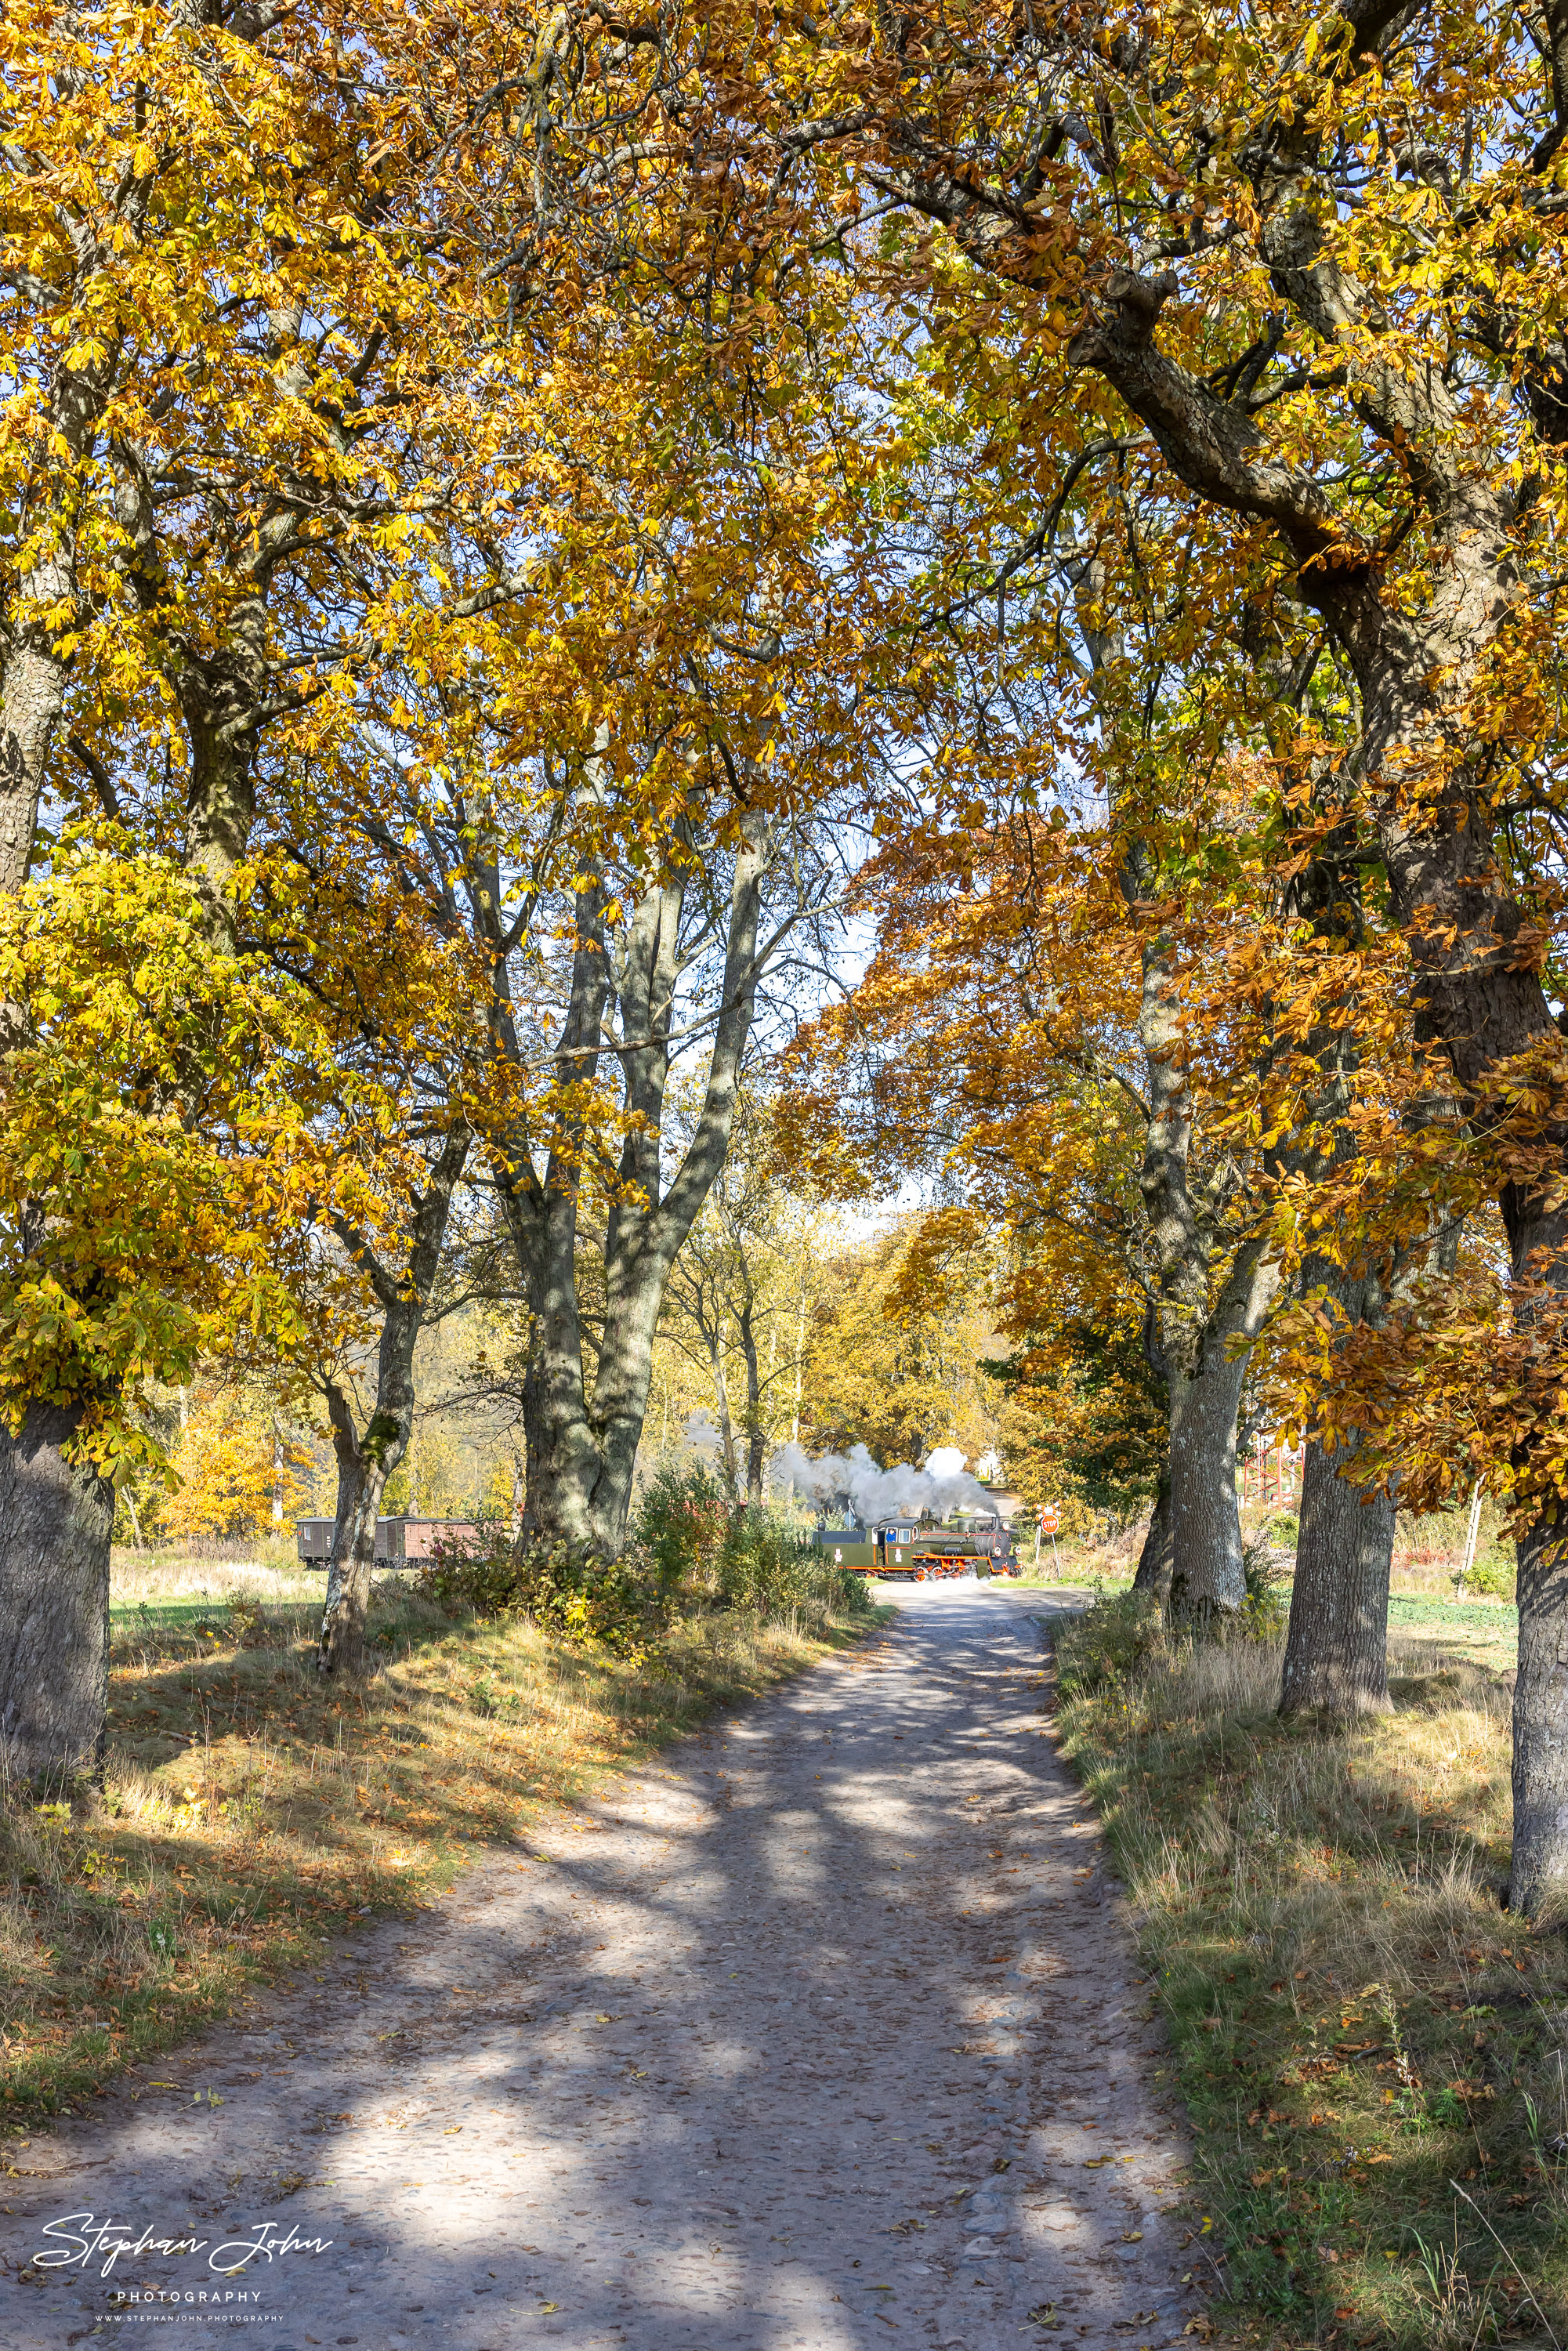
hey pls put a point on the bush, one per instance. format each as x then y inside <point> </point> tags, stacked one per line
<point>1116,1635</point>
<point>741,1555</point>
<point>617,1605</point>
<point>682,1522</point>
<point>1494,1575</point>
<point>765,1562</point>
<point>691,1546</point>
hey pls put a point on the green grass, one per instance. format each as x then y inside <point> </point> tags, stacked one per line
<point>126,1618</point>
<point>1472,1625</point>
<point>1484,1630</point>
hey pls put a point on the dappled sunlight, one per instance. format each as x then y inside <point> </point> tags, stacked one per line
<point>744,2051</point>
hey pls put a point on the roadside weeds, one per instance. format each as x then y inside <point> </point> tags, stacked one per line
<point>1374,2055</point>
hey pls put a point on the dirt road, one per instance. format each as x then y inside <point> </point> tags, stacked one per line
<point>821,2032</point>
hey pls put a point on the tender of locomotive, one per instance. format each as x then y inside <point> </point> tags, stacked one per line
<point>902,1551</point>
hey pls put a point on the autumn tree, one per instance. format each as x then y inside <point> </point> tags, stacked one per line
<point>221,276</point>
<point>284,294</point>
<point>240,1471</point>
<point>1306,273</point>
<point>898,1344</point>
<point>1007,1044</point>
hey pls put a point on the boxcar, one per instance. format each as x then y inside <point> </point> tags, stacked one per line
<point>400,1543</point>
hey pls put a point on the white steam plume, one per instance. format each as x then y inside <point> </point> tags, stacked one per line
<point>875,1494</point>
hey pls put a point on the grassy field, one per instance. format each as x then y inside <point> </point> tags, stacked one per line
<point>1486,1631</point>
<point>248,1809</point>
<point>1429,1619</point>
<point>1373,2052</point>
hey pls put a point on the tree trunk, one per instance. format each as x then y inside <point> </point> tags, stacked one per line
<point>1206,1578</point>
<point>365,1463</point>
<point>1538,1878</point>
<point>582,1453</point>
<point>1336,1652</point>
<point>581,1461</point>
<point>34,692</point>
<point>362,1475</point>
<point>721,1402</point>
<point>756,1435</point>
<point>1193,1328</point>
<point>56,1521</point>
<point>1157,1558</point>
<point>563,1458</point>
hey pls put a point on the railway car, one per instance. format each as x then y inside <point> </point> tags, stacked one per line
<point>400,1543</point>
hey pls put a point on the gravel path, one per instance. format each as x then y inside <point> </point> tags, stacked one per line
<point>820,2032</point>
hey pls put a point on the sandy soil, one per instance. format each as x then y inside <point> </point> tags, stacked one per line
<point>823,2029</point>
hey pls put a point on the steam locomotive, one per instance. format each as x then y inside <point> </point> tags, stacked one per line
<point>901,1550</point>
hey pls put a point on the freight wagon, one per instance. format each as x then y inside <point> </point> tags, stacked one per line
<point>400,1543</point>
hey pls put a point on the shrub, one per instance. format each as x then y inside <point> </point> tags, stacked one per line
<point>617,1605</point>
<point>748,1559</point>
<point>765,1562</point>
<point>1494,1574</point>
<point>740,1554</point>
<point>682,1522</point>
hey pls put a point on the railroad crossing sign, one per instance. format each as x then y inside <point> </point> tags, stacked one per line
<point>1050,1519</point>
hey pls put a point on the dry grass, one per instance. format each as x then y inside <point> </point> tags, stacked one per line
<point>155,1579</point>
<point>1373,2052</point>
<point>248,1809</point>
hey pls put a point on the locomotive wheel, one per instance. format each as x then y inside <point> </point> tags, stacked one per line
<point>920,1576</point>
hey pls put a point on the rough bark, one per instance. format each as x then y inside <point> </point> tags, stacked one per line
<point>56,1517</point>
<point>562,1453</point>
<point>1156,1559</point>
<point>1206,1575</point>
<point>1537,1880</point>
<point>583,1437</point>
<point>56,1520</point>
<point>1200,1240</point>
<point>366,1458</point>
<point>1336,1651</point>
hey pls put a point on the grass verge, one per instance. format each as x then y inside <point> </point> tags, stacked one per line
<point>1371,2052</point>
<point>248,1810</point>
